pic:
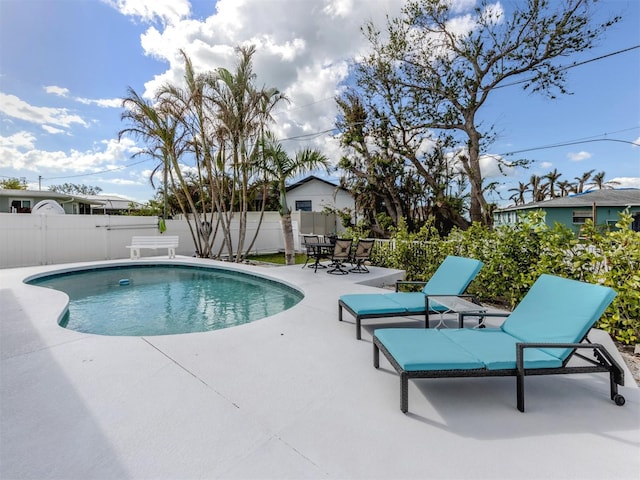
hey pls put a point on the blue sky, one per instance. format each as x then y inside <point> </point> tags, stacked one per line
<point>64,65</point>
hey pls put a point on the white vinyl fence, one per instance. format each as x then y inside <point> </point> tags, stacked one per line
<point>27,240</point>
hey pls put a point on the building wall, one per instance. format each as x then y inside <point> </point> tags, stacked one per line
<point>321,195</point>
<point>565,216</point>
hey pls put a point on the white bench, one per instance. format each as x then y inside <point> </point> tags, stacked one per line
<point>170,242</point>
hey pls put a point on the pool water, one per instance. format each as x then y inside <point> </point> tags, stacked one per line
<point>163,300</point>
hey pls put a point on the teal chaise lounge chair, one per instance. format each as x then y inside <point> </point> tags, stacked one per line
<point>451,278</point>
<point>546,330</point>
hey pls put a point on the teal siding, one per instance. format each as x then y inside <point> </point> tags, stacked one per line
<point>564,215</point>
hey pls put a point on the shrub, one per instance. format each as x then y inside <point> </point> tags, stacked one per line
<point>515,256</point>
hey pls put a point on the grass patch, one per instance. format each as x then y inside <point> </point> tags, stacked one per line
<point>277,258</point>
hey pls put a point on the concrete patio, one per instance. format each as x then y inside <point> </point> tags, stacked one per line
<point>292,396</point>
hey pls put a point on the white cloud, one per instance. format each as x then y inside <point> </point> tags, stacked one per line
<point>52,130</point>
<point>19,152</point>
<point>17,141</point>
<point>626,182</point>
<point>102,102</point>
<point>167,11</point>
<point>636,142</point>
<point>546,165</point>
<point>12,106</point>
<point>578,156</point>
<point>494,166</point>
<point>59,91</point>
<point>306,59</point>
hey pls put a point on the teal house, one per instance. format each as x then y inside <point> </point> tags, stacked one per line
<point>601,206</point>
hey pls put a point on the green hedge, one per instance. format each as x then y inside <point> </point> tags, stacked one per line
<point>516,256</point>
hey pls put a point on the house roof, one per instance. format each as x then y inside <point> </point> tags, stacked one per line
<point>622,197</point>
<point>111,202</point>
<point>114,202</point>
<point>45,194</point>
<point>313,177</point>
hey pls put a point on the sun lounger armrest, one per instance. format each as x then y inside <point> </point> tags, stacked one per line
<point>602,355</point>
<point>407,282</point>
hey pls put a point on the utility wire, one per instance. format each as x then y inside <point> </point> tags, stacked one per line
<point>323,132</point>
<point>575,64</point>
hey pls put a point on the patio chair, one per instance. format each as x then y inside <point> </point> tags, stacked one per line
<point>341,255</point>
<point>361,255</point>
<point>546,330</point>
<point>451,278</point>
<point>307,242</point>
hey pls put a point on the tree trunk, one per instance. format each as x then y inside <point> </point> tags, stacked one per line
<point>287,232</point>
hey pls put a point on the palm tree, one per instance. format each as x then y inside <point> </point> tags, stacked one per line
<point>553,177</point>
<point>582,180</point>
<point>565,187</point>
<point>538,189</point>
<point>279,167</point>
<point>519,192</point>
<point>164,139</point>
<point>241,113</point>
<point>598,181</point>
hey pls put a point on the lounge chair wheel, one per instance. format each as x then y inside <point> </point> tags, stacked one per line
<point>619,399</point>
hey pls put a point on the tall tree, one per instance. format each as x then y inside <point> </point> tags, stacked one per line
<point>75,189</point>
<point>436,66</point>
<point>582,180</point>
<point>241,113</point>
<point>164,141</point>
<point>278,166</point>
<point>391,166</point>
<point>552,177</point>
<point>520,191</point>
<point>538,188</point>
<point>598,181</point>
<point>13,184</point>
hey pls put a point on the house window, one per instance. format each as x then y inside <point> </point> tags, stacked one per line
<point>21,206</point>
<point>303,205</point>
<point>581,216</point>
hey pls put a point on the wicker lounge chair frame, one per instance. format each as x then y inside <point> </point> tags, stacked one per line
<point>603,363</point>
<point>600,362</point>
<point>476,265</point>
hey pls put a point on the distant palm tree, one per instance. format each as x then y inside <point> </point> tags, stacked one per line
<point>538,189</point>
<point>582,180</point>
<point>598,181</point>
<point>553,177</point>
<point>279,167</point>
<point>519,192</point>
<point>565,187</point>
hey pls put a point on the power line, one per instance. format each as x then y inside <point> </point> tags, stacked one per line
<point>567,144</point>
<point>575,64</point>
<point>323,132</point>
<point>97,173</point>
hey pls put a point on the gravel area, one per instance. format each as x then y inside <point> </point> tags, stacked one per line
<point>631,356</point>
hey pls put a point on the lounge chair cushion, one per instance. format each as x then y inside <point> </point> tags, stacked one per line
<point>446,280</point>
<point>423,349</point>
<point>460,349</point>
<point>367,303</point>
<point>558,310</point>
<point>497,349</point>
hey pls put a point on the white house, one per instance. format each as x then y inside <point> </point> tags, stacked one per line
<point>313,194</point>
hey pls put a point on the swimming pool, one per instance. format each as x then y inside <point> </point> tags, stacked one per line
<point>165,299</point>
